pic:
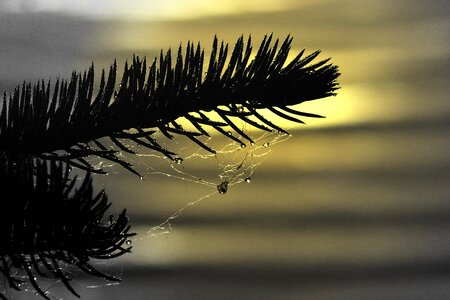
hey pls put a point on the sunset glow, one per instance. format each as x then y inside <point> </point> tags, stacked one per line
<point>336,209</point>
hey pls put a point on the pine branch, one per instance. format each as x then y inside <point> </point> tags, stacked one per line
<point>66,121</point>
<point>48,221</point>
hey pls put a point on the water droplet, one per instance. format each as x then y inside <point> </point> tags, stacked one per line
<point>223,187</point>
<point>178,160</point>
<point>229,133</point>
<point>243,145</point>
<point>252,143</point>
<point>141,177</point>
<point>128,242</point>
<point>266,145</point>
<point>111,220</point>
<point>248,180</point>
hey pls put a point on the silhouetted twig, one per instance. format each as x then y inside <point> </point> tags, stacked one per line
<point>48,219</point>
<point>66,122</point>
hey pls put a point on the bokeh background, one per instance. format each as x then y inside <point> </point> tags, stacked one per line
<point>354,206</point>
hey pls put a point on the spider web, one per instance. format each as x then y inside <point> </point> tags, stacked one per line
<point>54,288</point>
<point>232,163</point>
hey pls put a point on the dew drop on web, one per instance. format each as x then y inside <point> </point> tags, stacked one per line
<point>223,187</point>
<point>178,160</point>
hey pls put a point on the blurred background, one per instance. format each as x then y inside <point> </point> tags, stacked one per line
<point>354,206</point>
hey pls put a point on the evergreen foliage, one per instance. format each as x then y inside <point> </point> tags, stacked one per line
<point>45,130</point>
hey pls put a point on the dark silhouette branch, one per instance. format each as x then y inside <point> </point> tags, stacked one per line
<point>65,122</point>
<point>49,220</point>
<point>46,220</point>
